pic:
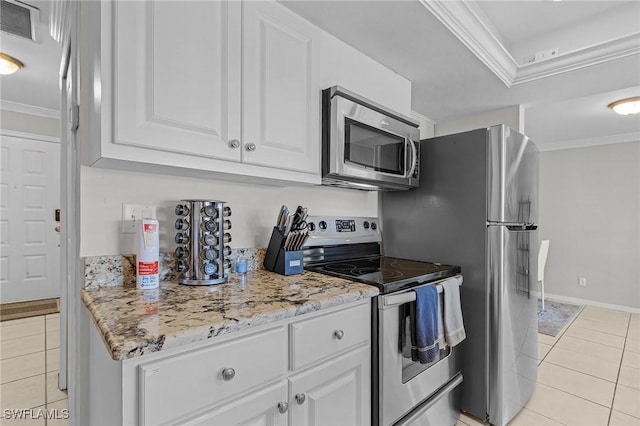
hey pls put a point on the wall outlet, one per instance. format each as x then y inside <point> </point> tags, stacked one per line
<point>582,282</point>
<point>133,212</point>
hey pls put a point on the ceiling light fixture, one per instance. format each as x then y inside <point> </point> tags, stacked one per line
<point>628,106</point>
<point>9,64</point>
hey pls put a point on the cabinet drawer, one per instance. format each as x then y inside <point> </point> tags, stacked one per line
<point>324,336</point>
<point>183,384</point>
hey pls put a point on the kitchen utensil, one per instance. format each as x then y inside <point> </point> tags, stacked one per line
<point>281,217</point>
<point>287,225</point>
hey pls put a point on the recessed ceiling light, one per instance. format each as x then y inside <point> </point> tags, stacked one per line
<point>9,64</point>
<point>628,106</point>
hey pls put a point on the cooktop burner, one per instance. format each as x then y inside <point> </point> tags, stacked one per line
<point>389,274</point>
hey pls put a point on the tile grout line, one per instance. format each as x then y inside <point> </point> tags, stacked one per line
<point>581,372</point>
<point>563,332</point>
<point>572,394</point>
<point>624,346</point>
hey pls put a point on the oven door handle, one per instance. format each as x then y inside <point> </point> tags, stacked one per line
<point>442,393</point>
<point>410,296</point>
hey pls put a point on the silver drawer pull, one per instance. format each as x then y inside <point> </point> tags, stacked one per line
<point>283,407</point>
<point>339,334</point>
<point>250,146</point>
<point>234,143</point>
<point>228,374</point>
<point>300,398</point>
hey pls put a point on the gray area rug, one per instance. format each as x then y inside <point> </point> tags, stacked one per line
<point>556,316</point>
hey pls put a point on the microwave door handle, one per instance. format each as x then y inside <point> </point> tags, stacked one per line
<point>414,158</point>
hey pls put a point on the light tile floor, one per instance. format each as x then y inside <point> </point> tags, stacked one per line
<point>588,375</point>
<point>29,364</point>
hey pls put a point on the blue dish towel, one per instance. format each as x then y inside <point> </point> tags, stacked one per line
<point>424,329</point>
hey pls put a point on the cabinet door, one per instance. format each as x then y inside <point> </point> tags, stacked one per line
<point>281,102</point>
<point>334,393</point>
<point>177,76</point>
<point>256,409</point>
<point>173,387</point>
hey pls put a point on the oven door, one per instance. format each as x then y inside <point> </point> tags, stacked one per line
<point>369,146</point>
<point>404,385</point>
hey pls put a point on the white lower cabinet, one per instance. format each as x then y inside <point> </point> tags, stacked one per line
<point>256,409</point>
<point>336,392</point>
<point>175,387</point>
<point>261,376</point>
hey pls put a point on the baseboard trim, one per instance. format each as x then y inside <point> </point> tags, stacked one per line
<point>586,302</point>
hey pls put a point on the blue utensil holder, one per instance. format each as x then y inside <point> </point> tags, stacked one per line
<point>280,261</point>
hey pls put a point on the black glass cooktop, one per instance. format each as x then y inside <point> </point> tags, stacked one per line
<point>389,274</point>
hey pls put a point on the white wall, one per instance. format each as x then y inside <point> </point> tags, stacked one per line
<point>512,116</point>
<point>427,125</point>
<point>255,207</point>
<point>590,211</point>
<point>27,123</point>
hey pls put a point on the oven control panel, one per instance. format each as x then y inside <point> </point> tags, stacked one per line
<point>333,230</point>
<point>345,225</point>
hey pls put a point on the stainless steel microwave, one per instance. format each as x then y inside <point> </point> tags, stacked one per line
<point>366,146</point>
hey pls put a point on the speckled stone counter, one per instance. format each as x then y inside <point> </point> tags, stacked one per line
<point>134,322</point>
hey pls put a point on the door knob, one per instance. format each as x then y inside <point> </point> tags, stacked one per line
<point>250,147</point>
<point>234,143</point>
<point>57,228</point>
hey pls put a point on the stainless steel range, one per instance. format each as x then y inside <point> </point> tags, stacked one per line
<point>404,391</point>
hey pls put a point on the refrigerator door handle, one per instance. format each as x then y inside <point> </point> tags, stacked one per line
<point>522,227</point>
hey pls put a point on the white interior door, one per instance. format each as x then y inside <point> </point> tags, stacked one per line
<point>29,196</point>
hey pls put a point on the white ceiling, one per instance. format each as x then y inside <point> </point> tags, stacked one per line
<point>463,57</point>
<point>37,84</point>
<point>468,57</point>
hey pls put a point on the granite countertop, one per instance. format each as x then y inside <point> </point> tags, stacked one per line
<point>134,322</point>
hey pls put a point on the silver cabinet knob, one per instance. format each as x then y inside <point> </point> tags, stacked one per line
<point>339,334</point>
<point>250,147</point>
<point>228,374</point>
<point>234,143</point>
<point>283,407</point>
<point>300,398</point>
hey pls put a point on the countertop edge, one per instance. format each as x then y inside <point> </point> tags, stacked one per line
<point>120,351</point>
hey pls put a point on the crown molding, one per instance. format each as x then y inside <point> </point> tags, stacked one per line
<point>571,61</point>
<point>465,24</point>
<point>595,141</point>
<point>459,18</point>
<point>29,109</point>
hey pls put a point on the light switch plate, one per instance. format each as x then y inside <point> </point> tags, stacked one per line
<point>133,212</point>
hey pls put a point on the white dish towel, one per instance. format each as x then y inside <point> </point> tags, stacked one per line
<point>452,311</point>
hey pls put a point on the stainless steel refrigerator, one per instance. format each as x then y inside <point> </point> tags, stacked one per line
<point>477,207</point>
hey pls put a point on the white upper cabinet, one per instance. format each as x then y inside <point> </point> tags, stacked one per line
<point>177,76</point>
<point>281,104</point>
<point>222,89</point>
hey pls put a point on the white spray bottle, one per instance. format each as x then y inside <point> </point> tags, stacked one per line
<point>147,253</point>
